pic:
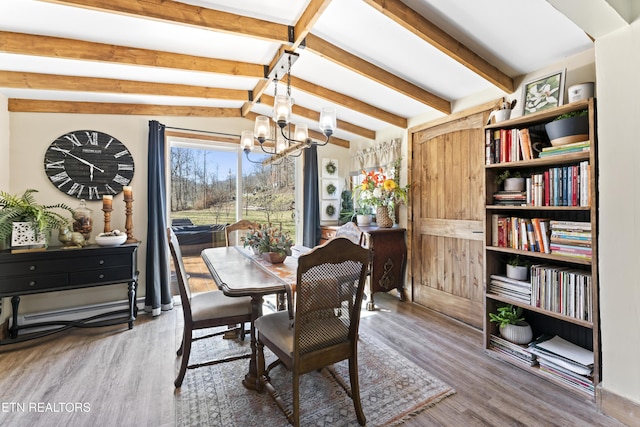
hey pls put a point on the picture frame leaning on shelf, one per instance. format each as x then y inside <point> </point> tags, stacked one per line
<point>543,93</point>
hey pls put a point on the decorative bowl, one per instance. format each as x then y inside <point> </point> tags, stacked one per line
<point>111,240</point>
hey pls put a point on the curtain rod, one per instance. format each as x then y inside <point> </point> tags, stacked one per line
<point>203,131</point>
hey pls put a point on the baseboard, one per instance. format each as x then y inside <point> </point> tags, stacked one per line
<point>74,313</point>
<point>618,407</point>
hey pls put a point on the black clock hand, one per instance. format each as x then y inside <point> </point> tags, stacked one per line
<point>91,165</point>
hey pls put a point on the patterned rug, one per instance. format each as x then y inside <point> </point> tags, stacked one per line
<point>392,389</point>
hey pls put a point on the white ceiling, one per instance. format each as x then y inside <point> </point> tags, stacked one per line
<point>517,37</point>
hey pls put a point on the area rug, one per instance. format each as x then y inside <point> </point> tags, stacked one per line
<point>392,389</point>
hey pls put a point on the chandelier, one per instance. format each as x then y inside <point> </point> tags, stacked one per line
<point>284,142</point>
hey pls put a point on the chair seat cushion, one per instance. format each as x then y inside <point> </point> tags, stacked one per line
<point>215,304</point>
<point>318,333</point>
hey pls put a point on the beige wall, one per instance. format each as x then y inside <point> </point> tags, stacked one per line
<point>618,68</point>
<point>4,143</point>
<point>31,134</point>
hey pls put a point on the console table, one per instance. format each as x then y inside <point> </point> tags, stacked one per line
<point>388,258</point>
<point>59,269</point>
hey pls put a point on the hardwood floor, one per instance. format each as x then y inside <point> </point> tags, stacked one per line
<point>120,377</point>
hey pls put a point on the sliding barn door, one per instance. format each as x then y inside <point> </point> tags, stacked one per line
<point>447,263</point>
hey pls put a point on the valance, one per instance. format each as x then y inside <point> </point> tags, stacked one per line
<point>380,155</point>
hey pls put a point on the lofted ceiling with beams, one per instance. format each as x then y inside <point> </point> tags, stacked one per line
<point>379,62</point>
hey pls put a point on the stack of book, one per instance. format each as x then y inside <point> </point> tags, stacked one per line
<point>562,290</point>
<point>571,239</point>
<point>516,352</point>
<point>565,362</point>
<point>566,149</point>
<point>518,290</point>
<point>527,234</point>
<point>510,198</point>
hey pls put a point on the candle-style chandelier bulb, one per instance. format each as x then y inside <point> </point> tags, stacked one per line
<point>327,121</point>
<point>282,110</point>
<point>246,140</point>
<point>261,129</point>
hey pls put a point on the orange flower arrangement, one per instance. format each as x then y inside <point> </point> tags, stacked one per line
<point>377,189</point>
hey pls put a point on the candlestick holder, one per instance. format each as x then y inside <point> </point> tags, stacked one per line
<point>128,225</point>
<point>107,219</point>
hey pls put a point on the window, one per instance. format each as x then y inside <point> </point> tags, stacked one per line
<point>213,183</point>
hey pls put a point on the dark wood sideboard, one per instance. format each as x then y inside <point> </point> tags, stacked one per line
<point>388,258</point>
<point>58,269</point>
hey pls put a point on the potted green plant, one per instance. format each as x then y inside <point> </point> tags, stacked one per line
<point>511,324</point>
<point>513,181</point>
<point>270,242</point>
<point>569,128</point>
<point>25,211</point>
<point>518,267</point>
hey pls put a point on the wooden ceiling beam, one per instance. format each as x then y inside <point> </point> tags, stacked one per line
<point>93,84</point>
<point>315,116</point>
<point>73,107</point>
<point>348,102</point>
<point>432,34</point>
<point>307,20</point>
<point>57,47</point>
<point>358,65</point>
<point>186,14</point>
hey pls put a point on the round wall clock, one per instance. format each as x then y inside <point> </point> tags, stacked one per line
<point>88,164</point>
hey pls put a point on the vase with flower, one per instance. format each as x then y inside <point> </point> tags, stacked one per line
<point>272,243</point>
<point>382,192</point>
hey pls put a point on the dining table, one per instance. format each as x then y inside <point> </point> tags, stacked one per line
<point>238,272</point>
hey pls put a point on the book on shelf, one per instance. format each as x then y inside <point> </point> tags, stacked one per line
<point>562,290</point>
<point>515,289</point>
<point>564,353</point>
<point>517,352</point>
<point>564,149</point>
<point>570,225</point>
<point>570,241</point>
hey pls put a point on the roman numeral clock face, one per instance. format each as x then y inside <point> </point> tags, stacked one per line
<point>88,164</point>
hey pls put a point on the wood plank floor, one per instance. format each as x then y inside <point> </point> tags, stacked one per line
<point>121,377</point>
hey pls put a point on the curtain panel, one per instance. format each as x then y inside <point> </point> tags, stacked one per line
<point>158,293</point>
<point>311,230</point>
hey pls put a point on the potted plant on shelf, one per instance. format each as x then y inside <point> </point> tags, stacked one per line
<point>271,242</point>
<point>518,267</point>
<point>511,324</point>
<point>569,128</point>
<point>513,181</point>
<point>33,222</point>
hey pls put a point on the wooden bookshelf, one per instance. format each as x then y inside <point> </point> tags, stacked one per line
<point>584,333</point>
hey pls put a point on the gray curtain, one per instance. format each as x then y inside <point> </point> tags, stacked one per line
<point>158,293</point>
<point>311,200</point>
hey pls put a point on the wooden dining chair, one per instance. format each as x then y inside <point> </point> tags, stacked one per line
<point>204,310</point>
<point>351,232</point>
<point>234,232</point>
<point>320,327</point>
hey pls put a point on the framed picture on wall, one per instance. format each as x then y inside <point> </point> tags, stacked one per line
<point>330,189</point>
<point>329,210</point>
<point>543,93</point>
<point>329,167</point>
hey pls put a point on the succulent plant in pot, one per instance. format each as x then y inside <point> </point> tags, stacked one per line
<point>513,180</point>
<point>511,324</point>
<point>518,267</point>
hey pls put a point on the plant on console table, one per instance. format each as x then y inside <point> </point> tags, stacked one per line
<point>511,324</point>
<point>270,242</point>
<point>42,219</point>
